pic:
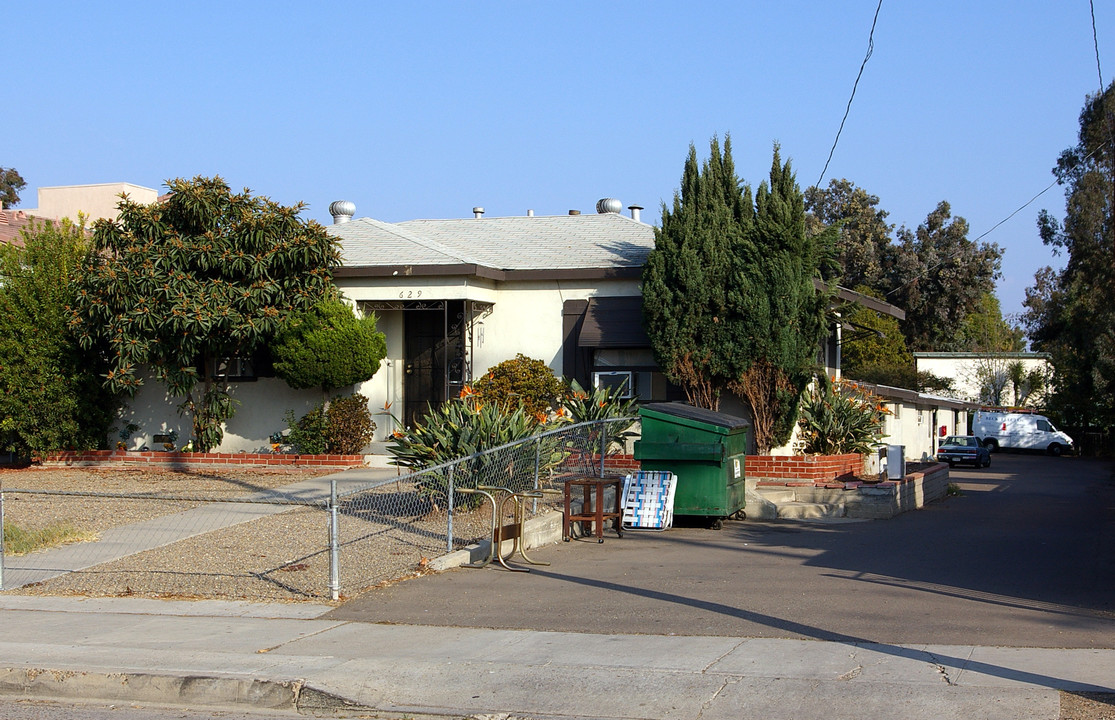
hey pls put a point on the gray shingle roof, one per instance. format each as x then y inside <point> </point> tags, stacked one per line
<point>556,242</point>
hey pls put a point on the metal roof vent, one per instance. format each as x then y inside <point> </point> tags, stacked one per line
<point>342,211</point>
<point>636,211</point>
<point>608,205</point>
<point>478,212</point>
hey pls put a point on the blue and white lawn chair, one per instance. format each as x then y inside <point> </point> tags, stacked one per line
<point>648,500</point>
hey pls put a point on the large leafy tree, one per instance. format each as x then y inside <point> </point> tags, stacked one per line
<point>11,184</point>
<point>50,393</point>
<point>938,278</point>
<point>729,293</point>
<point>863,247</point>
<point>207,274</point>
<point>328,347</point>
<point>934,272</point>
<point>986,330</point>
<point>1071,313</point>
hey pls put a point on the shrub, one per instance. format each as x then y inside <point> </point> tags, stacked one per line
<point>344,428</point>
<point>521,383</point>
<point>458,429</point>
<point>601,404</point>
<point>349,426</point>
<point>839,417</point>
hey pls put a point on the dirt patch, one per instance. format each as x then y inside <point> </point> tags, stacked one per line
<point>196,546</point>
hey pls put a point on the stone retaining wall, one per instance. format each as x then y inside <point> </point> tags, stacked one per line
<point>877,500</point>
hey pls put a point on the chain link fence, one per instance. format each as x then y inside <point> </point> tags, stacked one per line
<point>315,540</point>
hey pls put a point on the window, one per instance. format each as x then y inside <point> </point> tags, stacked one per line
<point>614,380</point>
<point>232,369</point>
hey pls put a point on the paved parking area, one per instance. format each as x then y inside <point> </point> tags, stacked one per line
<point>1024,558</point>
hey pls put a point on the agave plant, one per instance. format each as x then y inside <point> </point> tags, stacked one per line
<point>603,403</point>
<point>840,417</point>
<point>461,428</point>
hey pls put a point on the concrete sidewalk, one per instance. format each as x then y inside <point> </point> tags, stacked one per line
<point>287,656</point>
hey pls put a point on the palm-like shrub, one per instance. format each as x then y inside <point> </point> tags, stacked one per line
<point>839,417</point>
<point>602,403</point>
<point>460,428</point>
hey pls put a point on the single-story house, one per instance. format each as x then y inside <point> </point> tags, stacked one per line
<point>986,377</point>
<point>457,296</point>
<point>918,421</point>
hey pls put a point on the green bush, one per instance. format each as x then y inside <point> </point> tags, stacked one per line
<point>344,428</point>
<point>349,426</point>
<point>523,383</point>
<point>458,429</point>
<point>602,403</point>
<point>839,417</point>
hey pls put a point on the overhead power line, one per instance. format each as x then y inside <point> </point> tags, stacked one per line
<point>848,109</point>
<point>1096,42</point>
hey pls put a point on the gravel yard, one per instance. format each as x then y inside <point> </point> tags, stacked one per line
<point>385,535</point>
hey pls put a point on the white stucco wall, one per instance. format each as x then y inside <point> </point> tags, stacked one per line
<point>526,318</point>
<point>263,403</point>
<point>965,370</point>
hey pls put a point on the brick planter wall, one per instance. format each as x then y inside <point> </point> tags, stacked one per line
<point>180,460</point>
<point>802,470</point>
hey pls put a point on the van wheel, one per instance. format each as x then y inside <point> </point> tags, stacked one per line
<point>992,444</point>
<point>1055,449</point>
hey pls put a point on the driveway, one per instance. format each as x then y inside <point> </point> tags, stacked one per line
<point>1025,557</point>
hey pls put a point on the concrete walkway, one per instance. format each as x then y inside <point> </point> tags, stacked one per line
<point>222,654</point>
<point>125,540</point>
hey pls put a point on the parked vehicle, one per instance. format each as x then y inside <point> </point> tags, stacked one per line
<point>956,449</point>
<point>1020,431</point>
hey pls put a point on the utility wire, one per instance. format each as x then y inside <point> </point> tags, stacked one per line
<point>848,109</point>
<point>990,230</point>
<point>1096,43</point>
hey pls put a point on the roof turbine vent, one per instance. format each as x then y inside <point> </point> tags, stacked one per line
<point>342,211</point>
<point>608,205</point>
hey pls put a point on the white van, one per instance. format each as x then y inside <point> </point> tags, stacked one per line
<point>1021,431</point>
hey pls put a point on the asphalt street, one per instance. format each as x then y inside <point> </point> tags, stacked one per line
<point>1024,557</point>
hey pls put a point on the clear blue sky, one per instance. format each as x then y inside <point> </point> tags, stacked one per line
<point>424,110</point>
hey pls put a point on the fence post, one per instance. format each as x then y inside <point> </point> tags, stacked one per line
<point>537,466</point>
<point>449,505</point>
<point>603,444</point>
<point>334,546</point>
<point>2,556</point>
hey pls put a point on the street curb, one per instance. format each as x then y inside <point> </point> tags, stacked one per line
<point>184,690</point>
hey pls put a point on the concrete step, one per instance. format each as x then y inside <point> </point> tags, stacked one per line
<point>776,495</point>
<point>809,511</point>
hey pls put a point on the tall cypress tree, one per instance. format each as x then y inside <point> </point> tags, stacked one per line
<point>779,313</point>
<point>686,274</point>
<point>729,300</point>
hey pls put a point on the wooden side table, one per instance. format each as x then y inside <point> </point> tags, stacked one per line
<point>592,505</point>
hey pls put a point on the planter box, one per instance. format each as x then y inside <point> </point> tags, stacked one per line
<point>184,460</point>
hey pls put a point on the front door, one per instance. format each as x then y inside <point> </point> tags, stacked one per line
<point>424,362</point>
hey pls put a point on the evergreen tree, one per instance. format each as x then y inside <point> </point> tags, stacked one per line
<point>50,393</point>
<point>328,347</point>
<point>730,293</point>
<point>686,273</point>
<point>1071,314</point>
<point>777,315</point>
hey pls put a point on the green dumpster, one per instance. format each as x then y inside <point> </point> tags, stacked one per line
<point>705,449</point>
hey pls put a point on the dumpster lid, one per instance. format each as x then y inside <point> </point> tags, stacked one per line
<point>689,412</point>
